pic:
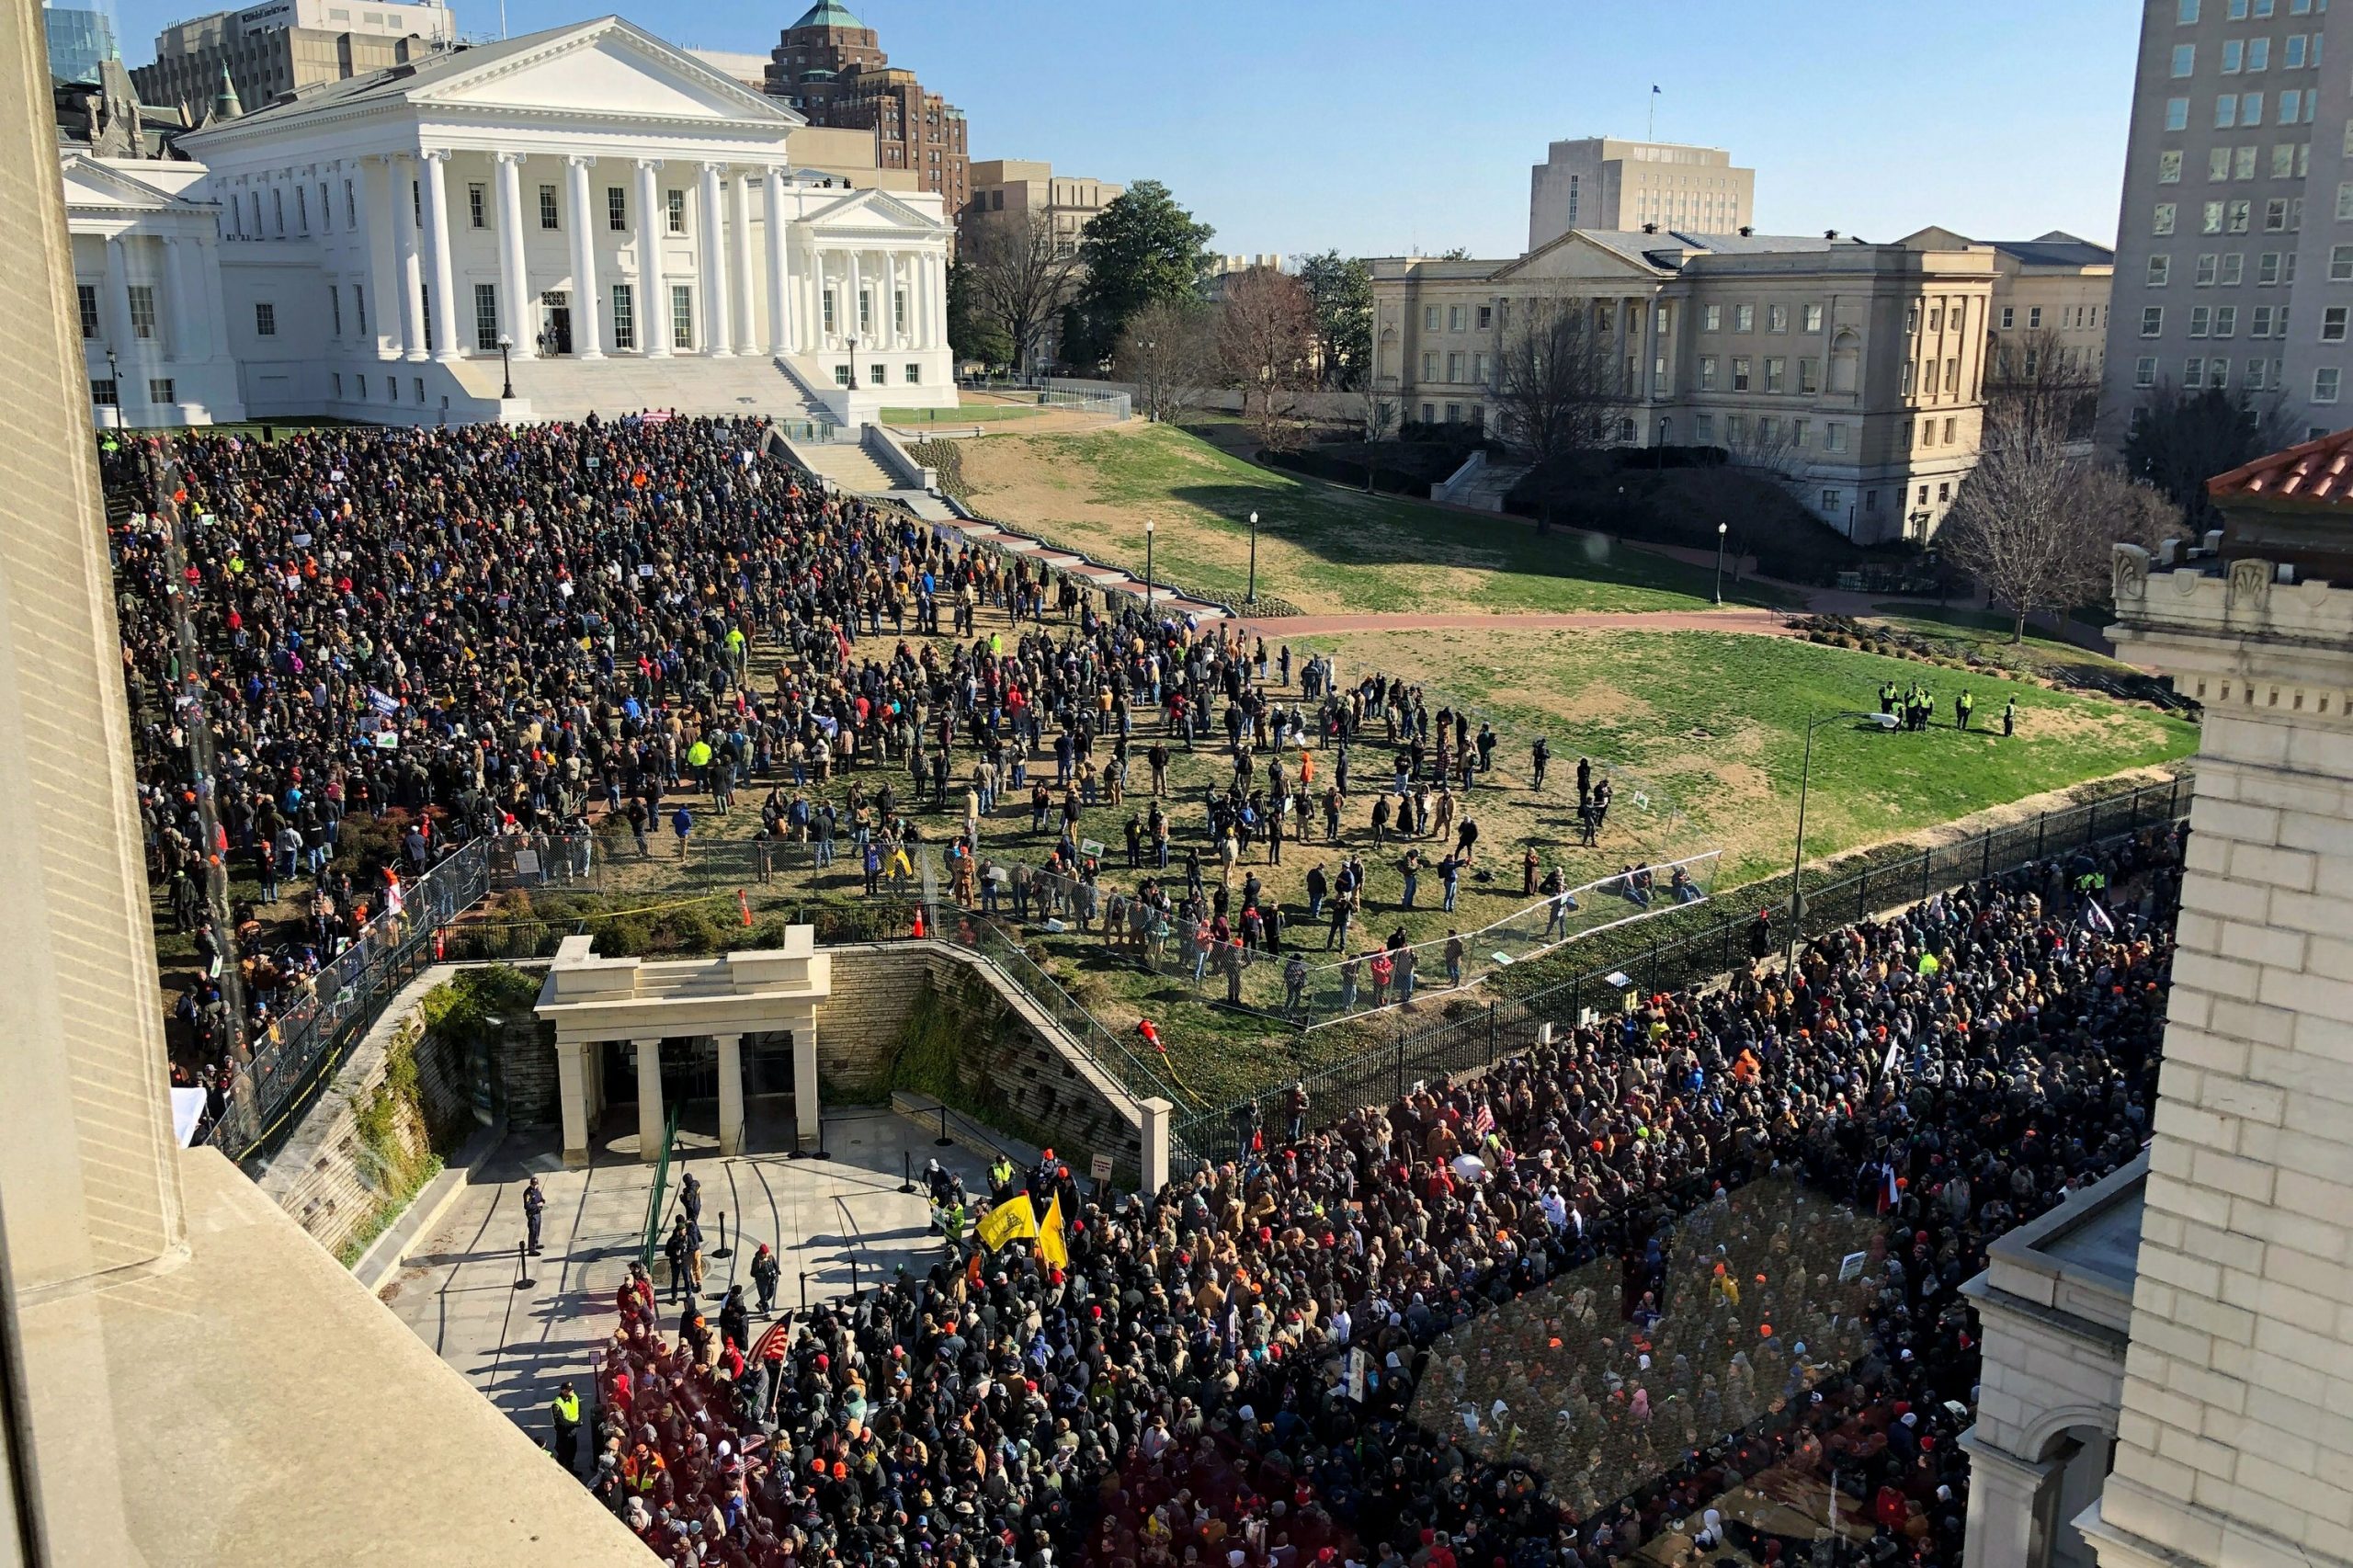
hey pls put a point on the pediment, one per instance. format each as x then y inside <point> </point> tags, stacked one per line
<point>88,182</point>
<point>1576,255</point>
<point>607,70</point>
<point>869,210</point>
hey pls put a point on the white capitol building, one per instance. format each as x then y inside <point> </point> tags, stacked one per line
<point>630,219</point>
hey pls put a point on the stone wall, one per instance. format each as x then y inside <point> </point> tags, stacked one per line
<point>1017,1069</point>
<point>524,1063</point>
<point>2233,1447</point>
<point>325,1175</point>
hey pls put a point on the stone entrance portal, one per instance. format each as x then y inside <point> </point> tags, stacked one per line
<point>591,1000</point>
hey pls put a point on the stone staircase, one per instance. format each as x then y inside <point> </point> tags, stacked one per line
<point>571,389</point>
<point>848,467</point>
<point>1491,484</point>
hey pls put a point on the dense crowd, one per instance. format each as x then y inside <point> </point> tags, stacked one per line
<point>486,629</point>
<point>1541,1317</point>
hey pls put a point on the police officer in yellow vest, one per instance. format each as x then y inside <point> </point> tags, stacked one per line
<point>1000,1179</point>
<point>565,1411</point>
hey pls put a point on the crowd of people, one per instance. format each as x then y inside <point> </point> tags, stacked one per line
<point>1547,1316</point>
<point>1538,1317</point>
<point>484,628</point>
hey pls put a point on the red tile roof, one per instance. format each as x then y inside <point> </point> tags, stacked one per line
<point>2319,473</point>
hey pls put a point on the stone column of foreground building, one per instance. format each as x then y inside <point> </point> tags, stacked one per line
<point>731,1093</point>
<point>2236,1440</point>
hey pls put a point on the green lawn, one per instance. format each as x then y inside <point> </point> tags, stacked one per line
<point>1718,722</point>
<point>962,413</point>
<point>1325,549</point>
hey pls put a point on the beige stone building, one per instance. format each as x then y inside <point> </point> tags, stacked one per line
<point>2234,1444</point>
<point>1852,372</point>
<point>2050,297</point>
<point>1017,187</point>
<point>1601,182</point>
<point>284,46</point>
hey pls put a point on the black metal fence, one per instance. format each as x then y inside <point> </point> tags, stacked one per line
<point>1475,1034</point>
<point>342,997</point>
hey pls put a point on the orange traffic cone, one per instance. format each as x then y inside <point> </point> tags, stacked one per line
<point>918,930</point>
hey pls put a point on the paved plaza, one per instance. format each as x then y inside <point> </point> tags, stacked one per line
<point>843,1222</point>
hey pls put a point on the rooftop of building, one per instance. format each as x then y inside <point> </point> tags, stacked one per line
<point>2318,474</point>
<point>826,14</point>
<point>2057,248</point>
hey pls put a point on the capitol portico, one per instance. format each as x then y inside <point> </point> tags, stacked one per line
<point>591,196</point>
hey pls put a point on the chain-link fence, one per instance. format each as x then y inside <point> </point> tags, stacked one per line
<point>1473,1034</point>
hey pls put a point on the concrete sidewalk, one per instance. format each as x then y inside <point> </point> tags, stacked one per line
<point>822,1217</point>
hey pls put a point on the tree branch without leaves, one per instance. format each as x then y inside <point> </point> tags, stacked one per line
<point>2035,525</point>
<point>1022,275</point>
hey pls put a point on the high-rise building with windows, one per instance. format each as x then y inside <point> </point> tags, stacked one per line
<point>2235,238</point>
<point>830,66</point>
<point>1601,182</point>
<point>276,49</point>
<point>81,38</point>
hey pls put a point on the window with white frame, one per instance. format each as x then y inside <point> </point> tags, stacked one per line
<point>617,209</point>
<point>160,389</point>
<point>1812,317</point>
<point>624,316</point>
<point>676,210</point>
<point>264,318</point>
<point>2169,167</point>
<point>2332,323</point>
<point>2161,221</point>
<point>2145,370</point>
<point>477,206</point>
<point>486,317</point>
<point>682,317</point>
<point>2324,384</point>
<point>910,374</point>
<point>2160,269</point>
<point>85,302</point>
<point>1834,437</point>
<point>2152,321</point>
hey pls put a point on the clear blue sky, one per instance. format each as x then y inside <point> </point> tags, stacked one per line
<point>1378,125</point>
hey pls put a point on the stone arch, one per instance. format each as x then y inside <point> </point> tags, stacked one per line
<point>2050,1429</point>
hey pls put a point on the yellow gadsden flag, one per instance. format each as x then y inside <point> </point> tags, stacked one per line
<point>1049,1236</point>
<point>1007,1221</point>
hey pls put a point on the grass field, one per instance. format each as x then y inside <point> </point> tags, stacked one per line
<point>1325,549</point>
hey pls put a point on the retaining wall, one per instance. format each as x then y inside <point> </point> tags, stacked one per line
<point>325,1175</point>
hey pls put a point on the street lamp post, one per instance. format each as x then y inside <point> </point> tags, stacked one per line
<point>1147,569</point>
<point>1719,561</point>
<point>1251,598</point>
<point>1797,860</point>
<point>853,363</point>
<point>114,375</point>
<point>506,367</point>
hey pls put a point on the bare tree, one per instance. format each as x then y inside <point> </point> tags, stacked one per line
<point>1023,274</point>
<point>1266,341</point>
<point>2036,366</point>
<point>1559,390</point>
<point>1381,412</point>
<point>1765,445</point>
<point>1169,350</point>
<point>2035,524</point>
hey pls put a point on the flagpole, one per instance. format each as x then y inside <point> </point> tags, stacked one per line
<point>1650,132</point>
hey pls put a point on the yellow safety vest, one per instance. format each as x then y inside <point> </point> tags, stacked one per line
<point>567,1409</point>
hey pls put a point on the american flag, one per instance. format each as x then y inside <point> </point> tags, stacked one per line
<point>771,1345</point>
<point>1483,1123</point>
<point>654,416</point>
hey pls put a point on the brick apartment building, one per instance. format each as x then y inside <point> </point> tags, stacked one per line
<point>831,67</point>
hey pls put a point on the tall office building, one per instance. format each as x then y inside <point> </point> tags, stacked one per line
<point>283,46</point>
<point>81,38</point>
<point>2235,240</point>
<point>1601,182</point>
<point>830,66</point>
